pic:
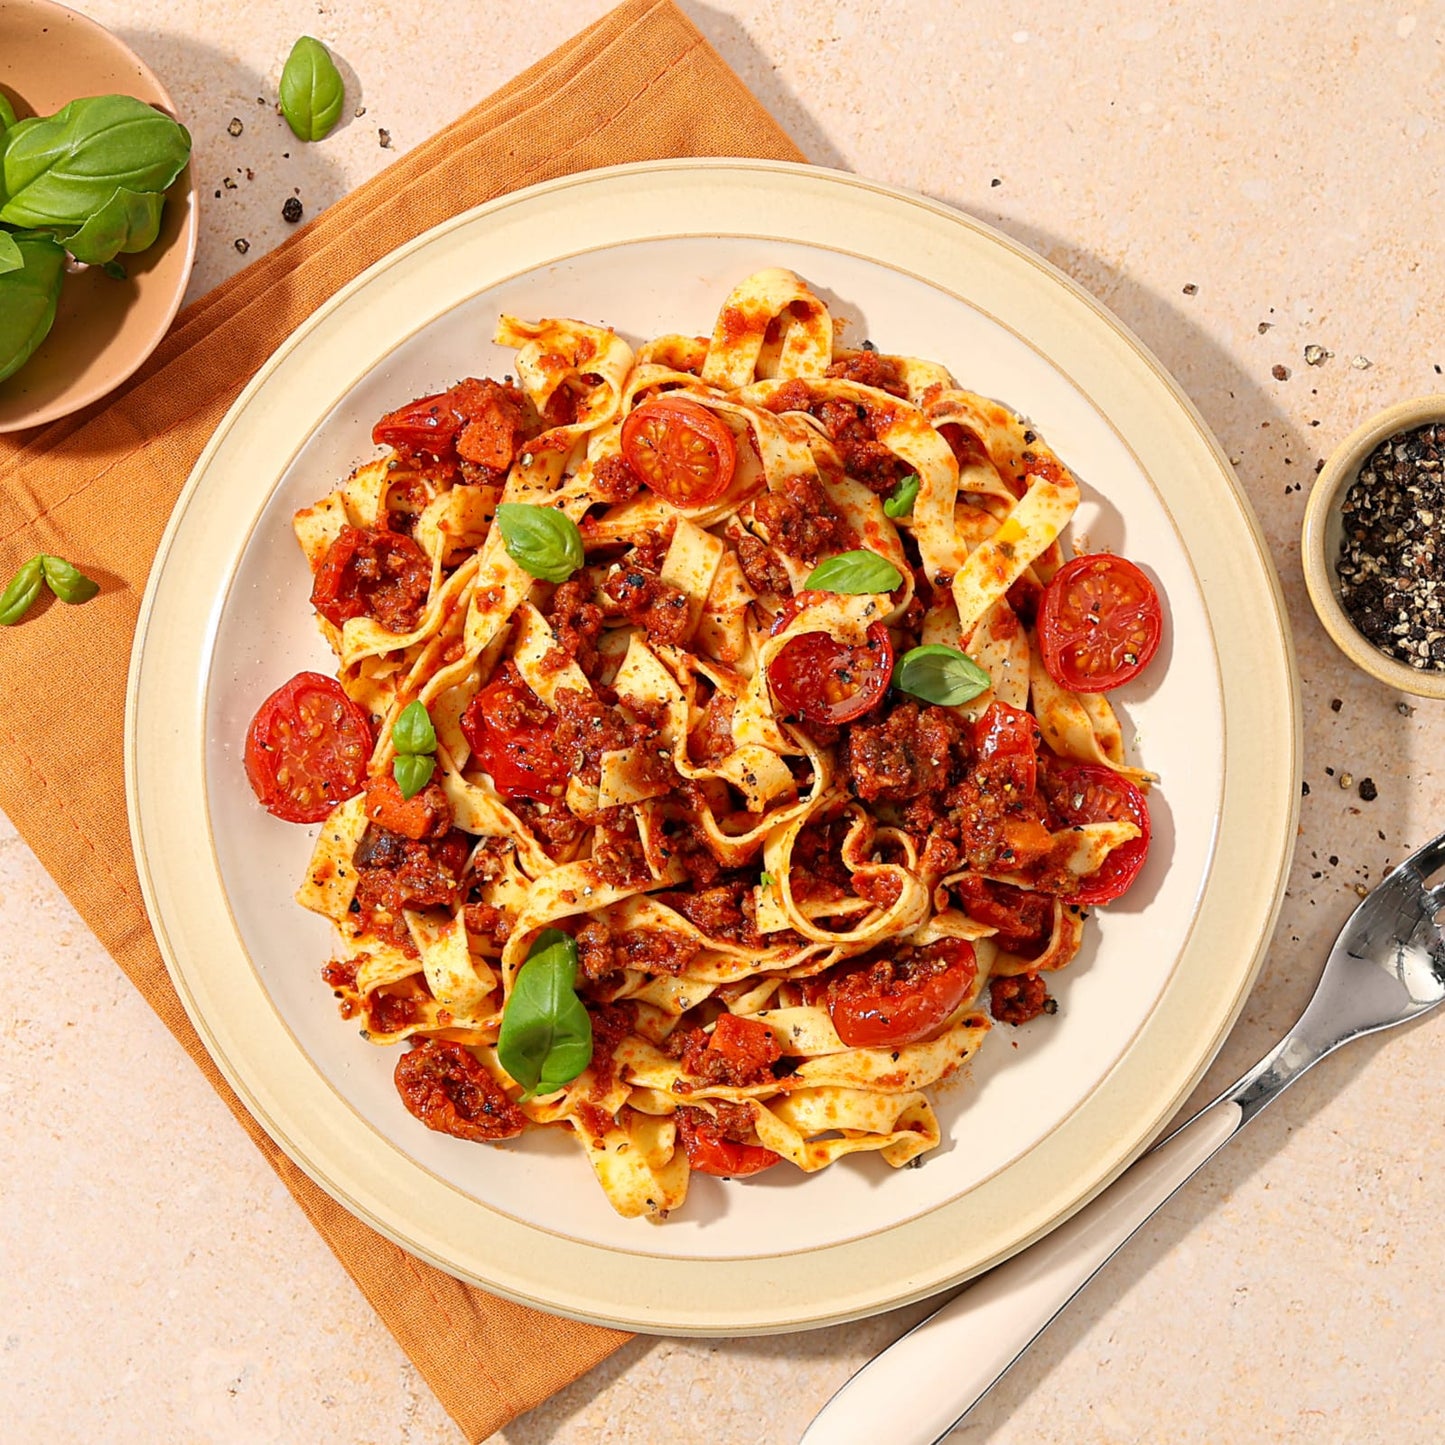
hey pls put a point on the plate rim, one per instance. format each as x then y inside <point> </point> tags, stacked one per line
<point>650,1309</point>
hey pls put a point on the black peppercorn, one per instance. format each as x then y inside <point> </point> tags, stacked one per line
<point>292,210</point>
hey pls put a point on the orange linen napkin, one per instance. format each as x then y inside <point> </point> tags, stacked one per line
<point>640,84</point>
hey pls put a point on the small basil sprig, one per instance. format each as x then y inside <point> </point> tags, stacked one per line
<point>68,583</point>
<point>900,504</point>
<point>312,91</point>
<point>940,674</point>
<point>854,573</point>
<point>546,1036</point>
<point>415,741</point>
<point>541,540</point>
<point>59,170</point>
<point>766,880</point>
<point>29,294</point>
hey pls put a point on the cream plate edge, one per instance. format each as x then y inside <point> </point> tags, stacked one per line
<point>1253,848</point>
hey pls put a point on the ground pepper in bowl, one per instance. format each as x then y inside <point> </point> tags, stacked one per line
<point>1391,569</point>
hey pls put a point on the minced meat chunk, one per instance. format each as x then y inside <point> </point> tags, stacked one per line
<point>801,521</point>
<point>906,755</point>
<point>868,368</point>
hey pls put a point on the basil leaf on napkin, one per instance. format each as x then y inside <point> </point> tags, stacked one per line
<point>941,675</point>
<point>20,595</point>
<point>854,573</point>
<point>541,540</point>
<point>312,91</point>
<point>68,583</point>
<point>546,1036</point>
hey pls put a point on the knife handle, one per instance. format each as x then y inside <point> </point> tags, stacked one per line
<point>918,1389</point>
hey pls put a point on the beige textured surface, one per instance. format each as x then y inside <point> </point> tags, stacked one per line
<point>1284,161</point>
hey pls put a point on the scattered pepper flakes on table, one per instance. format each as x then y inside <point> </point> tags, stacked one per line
<point>235,127</point>
<point>384,137</point>
<point>1191,289</point>
<point>1360,363</point>
<point>1347,780</point>
<point>1316,355</point>
<point>1368,791</point>
<point>242,245</point>
<point>1279,372</point>
<point>292,211</point>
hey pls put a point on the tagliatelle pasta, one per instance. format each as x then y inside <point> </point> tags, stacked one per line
<point>739,860</point>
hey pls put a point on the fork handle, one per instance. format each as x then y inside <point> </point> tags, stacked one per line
<point>920,1387</point>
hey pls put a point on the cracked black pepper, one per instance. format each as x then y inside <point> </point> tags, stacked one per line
<point>1392,564</point>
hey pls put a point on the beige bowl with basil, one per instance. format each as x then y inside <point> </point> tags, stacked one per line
<point>1324,534</point>
<point>104,326</point>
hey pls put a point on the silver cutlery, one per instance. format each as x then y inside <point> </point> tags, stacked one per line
<point>1387,966</point>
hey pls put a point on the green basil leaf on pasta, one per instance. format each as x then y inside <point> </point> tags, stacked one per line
<point>412,733</point>
<point>900,504</point>
<point>546,1036</point>
<point>68,583</point>
<point>412,773</point>
<point>542,541</point>
<point>312,91</point>
<point>767,880</point>
<point>854,573</point>
<point>941,675</point>
<point>18,597</point>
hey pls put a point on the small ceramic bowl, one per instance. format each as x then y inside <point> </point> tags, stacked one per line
<point>1324,529</point>
<point>104,328</point>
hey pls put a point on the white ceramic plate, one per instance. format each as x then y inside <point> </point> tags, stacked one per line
<point>1048,1113</point>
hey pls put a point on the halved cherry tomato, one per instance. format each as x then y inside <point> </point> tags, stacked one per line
<point>1099,623</point>
<point>884,1003</point>
<point>709,1152</point>
<point>372,572</point>
<point>307,749</point>
<point>821,680</point>
<point>511,734</point>
<point>476,420</point>
<point>1023,918</point>
<point>1089,793</point>
<point>1011,735</point>
<point>680,449</point>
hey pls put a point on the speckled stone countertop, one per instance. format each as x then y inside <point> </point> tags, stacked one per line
<point>1237,181</point>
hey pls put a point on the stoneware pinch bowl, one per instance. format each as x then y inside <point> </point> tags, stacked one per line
<point>1324,531</point>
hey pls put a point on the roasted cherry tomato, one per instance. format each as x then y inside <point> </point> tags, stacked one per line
<point>1008,734</point>
<point>478,421</point>
<point>371,572</point>
<point>680,449</point>
<point>1099,623</point>
<point>821,680</point>
<point>709,1152</point>
<point>1023,919</point>
<point>1089,793</point>
<point>883,1003</point>
<point>307,749</point>
<point>511,733</point>
<point>448,1090</point>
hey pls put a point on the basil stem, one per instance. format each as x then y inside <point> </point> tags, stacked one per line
<point>854,573</point>
<point>58,171</point>
<point>28,298</point>
<point>941,675</point>
<point>412,772</point>
<point>68,583</point>
<point>24,588</point>
<point>412,732</point>
<point>312,91</point>
<point>542,541</point>
<point>546,1036</point>
<point>900,504</point>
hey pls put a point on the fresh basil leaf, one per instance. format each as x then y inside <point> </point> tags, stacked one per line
<point>900,504</point>
<point>412,773</point>
<point>540,540</point>
<point>412,732</point>
<point>854,573</point>
<point>24,588</point>
<point>312,91</point>
<point>940,674</point>
<point>115,270</point>
<point>68,583</point>
<point>10,257</point>
<point>61,170</point>
<point>28,298</point>
<point>767,880</point>
<point>129,221</point>
<point>546,1036</point>
<point>7,112</point>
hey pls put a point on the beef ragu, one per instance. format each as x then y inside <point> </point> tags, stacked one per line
<point>686,782</point>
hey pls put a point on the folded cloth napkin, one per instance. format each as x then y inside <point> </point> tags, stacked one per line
<point>640,84</point>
